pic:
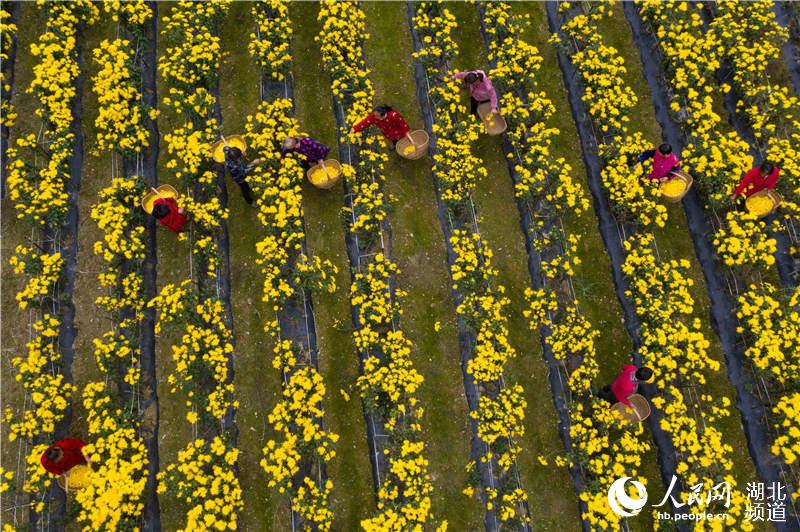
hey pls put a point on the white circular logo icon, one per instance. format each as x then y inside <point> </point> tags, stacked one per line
<point>621,502</point>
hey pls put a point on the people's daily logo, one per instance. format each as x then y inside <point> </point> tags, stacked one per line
<point>622,503</point>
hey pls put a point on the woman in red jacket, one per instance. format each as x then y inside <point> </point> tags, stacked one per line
<point>391,123</point>
<point>625,384</point>
<point>759,178</point>
<point>63,455</point>
<point>168,214</point>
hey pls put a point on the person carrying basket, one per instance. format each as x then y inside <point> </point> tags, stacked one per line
<point>313,151</point>
<point>480,87</point>
<point>625,384</point>
<point>762,177</point>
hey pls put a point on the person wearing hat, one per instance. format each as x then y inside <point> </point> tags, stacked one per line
<point>63,455</point>
<point>236,165</point>
<point>167,213</point>
<point>625,384</point>
<point>391,123</point>
<point>480,87</point>
<point>664,162</point>
<point>764,176</point>
<point>313,151</point>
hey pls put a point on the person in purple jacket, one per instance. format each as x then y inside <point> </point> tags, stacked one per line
<point>480,87</point>
<point>312,150</point>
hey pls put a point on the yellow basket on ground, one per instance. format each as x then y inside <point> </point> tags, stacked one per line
<point>76,478</point>
<point>234,141</point>
<point>164,191</point>
<point>637,412</point>
<point>326,174</point>
<point>677,186</point>
<point>763,203</point>
<point>494,123</point>
<point>414,145</point>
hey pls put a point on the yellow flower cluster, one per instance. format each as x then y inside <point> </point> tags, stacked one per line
<point>269,46</point>
<point>752,40</point>
<point>37,186</point>
<point>457,172</point>
<point>132,13</point>
<point>120,112</point>
<point>388,381</point>
<point>204,480</point>
<point>743,240</point>
<point>288,273</point>
<point>7,30</point>
<point>787,445</point>
<point>771,324</point>
<point>114,498</point>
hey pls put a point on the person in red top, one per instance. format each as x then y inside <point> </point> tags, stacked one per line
<point>391,123</point>
<point>63,455</point>
<point>664,162</point>
<point>626,384</point>
<point>168,214</point>
<point>759,178</point>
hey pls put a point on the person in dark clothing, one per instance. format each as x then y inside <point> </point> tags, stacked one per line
<point>237,166</point>
<point>625,384</point>
<point>313,151</point>
<point>168,214</point>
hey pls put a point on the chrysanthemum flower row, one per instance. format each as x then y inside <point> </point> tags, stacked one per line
<point>388,382</point>
<point>305,446</point>
<point>38,189</point>
<point>203,479</point>
<point>500,409</point>
<point>659,290</point>
<point>115,497</point>
<point>604,446</point>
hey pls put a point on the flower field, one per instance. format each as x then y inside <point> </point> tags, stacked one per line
<point>422,346</point>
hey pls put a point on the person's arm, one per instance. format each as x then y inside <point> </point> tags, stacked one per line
<point>746,180</point>
<point>645,155</point>
<point>772,180</point>
<point>368,121</point>
<point>460,75</point>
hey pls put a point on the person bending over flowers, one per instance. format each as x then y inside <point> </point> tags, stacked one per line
<point>168,214</point>
<point>625,384</point>
<point>664,162</point>
<point>236,165</point>
<point>391,123</point>
<point>314,151</point>
<point>764,176</point>
<point>63,455</point>
<point>480,87</point>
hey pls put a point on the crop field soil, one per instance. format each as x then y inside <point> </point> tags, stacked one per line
<point>230,302</point>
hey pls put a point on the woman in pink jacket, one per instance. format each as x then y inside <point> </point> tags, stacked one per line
<point>480,89</point>
<point>664,162</point>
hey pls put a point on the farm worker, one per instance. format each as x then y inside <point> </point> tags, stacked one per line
<point>314,151</point>
<point>168,214</point>
<point>238,168</point>
<point>480,89</point>
<point>664,162</point>
<point>391,123</point>
<point>63,455</point>
<point>625,384</point>
<point>764,176</point>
